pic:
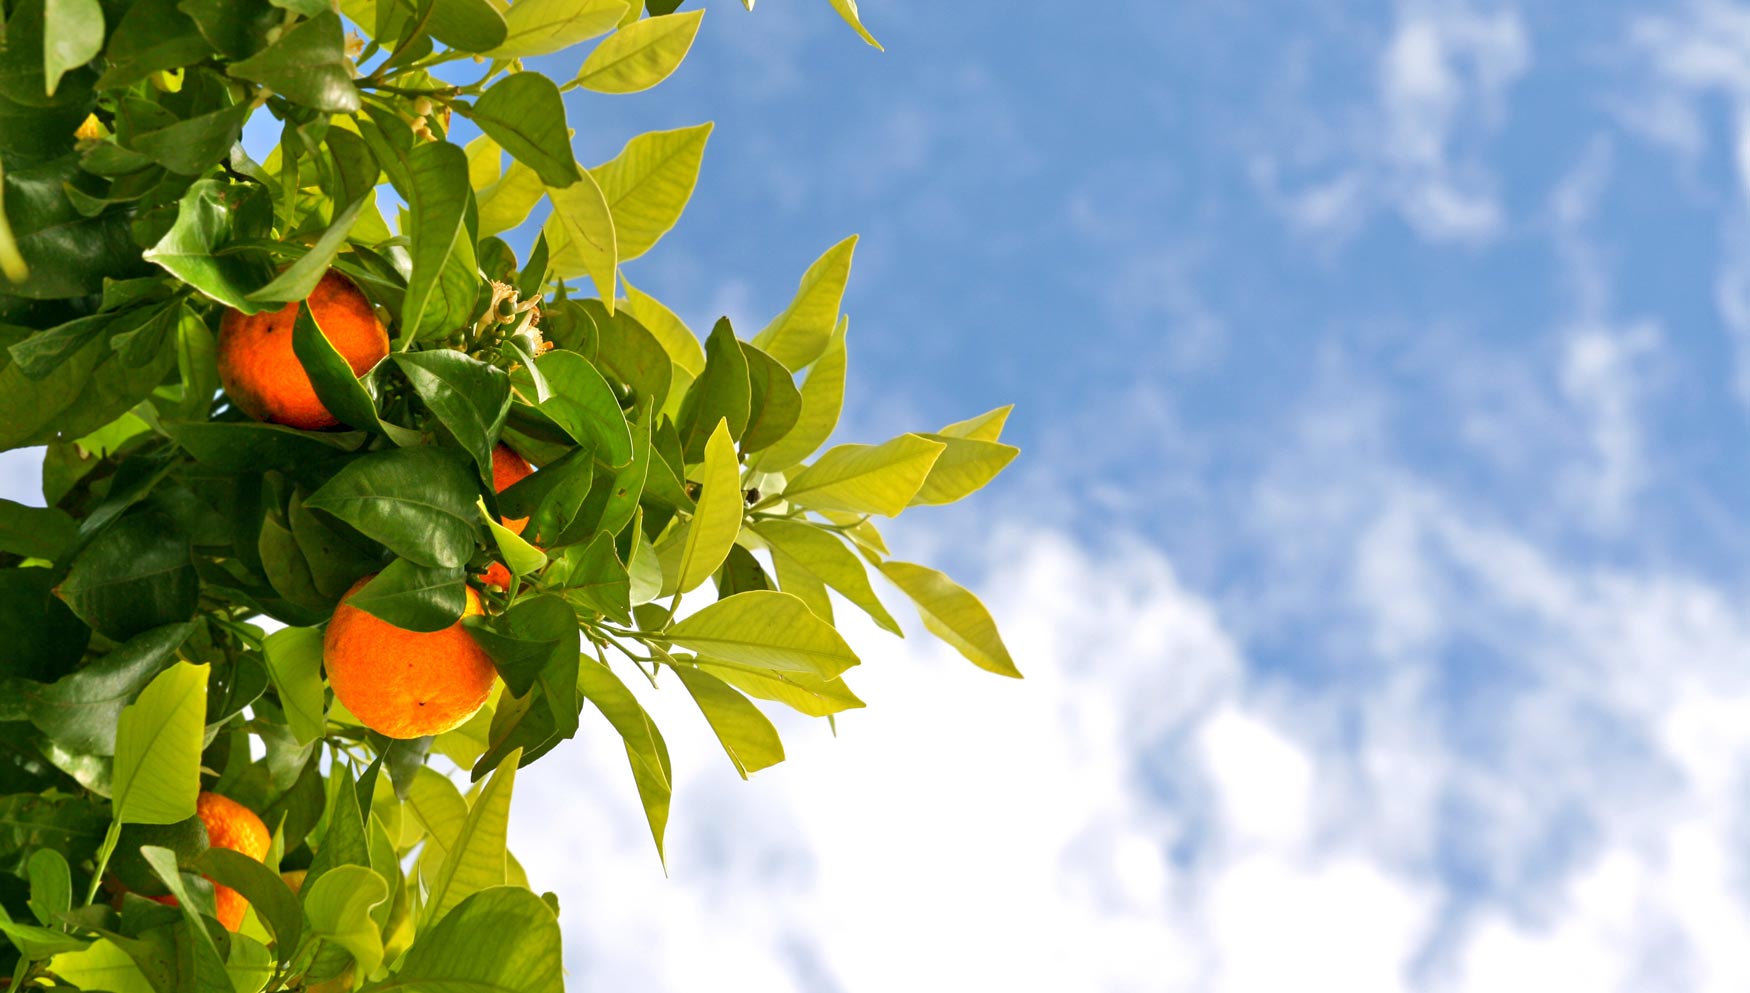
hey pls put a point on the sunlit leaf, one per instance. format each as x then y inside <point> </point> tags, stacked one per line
<point>798,547</point>
<point>475,860</point>
<point>499,940</point>
<point>648,184</point>
<point>717,519</point>
<point>747,736</point>
<point>953,614</point>
<point>582,236</point>
<point>866,479</point>
<point>802,332</point>
<point>640,55</point>
<point>538,27</point>
<point>158,748</point>
<point>338,906</point>
<point>764,629</point>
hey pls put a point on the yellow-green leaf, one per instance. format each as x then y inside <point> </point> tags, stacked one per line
<point>823,396</point>
<point>802,692</point>
<point>641,54</point>
<point>965,467</point>
<point>294,661</point>
<point>797,547</point>
<point>539,27</point>
<point>158,742</point>
<point>952,613</point>
<point>485,162</point>
<point>437,807</point>
<point>748,738</point>
<point>802,332</point>
<point>580,236</point>
<point>649,183</point>
<point>767,630</point>
<point>677,339</point>
<point>848,10</point>
<point>338,906</point>
<point>522,557</point>
<point>103,966</point>
<point>507,202</point>
<point>717,519</point>
<point>645,749</point>
<point>987,426</point>
<point>476,860</point>
<point>866,479</point>
<point>72,36</point>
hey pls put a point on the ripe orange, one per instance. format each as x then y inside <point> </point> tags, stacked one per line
<point>261,372</point>
<point>405,684</point>
<point>508,469</point>
<point>229,825</point>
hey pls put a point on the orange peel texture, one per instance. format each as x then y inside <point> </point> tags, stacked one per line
<point>260,371</point>
<point>234,826</point>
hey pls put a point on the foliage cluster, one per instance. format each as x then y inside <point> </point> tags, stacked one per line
<point>161,619</point>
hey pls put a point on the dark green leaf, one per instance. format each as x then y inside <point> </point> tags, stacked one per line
<point>307,65</point>
<point>135,575</point>
<point>550,498</point>
<point>468,396</point>
<point>43,637</point>
<point>631,354</point>
<point>525,114</point>
<point>775,403</point>
<point>272,899</point>
<point>191,146</point>
<point>524,638</point>
<point>594,578</point>
<point>468,25</point>
<point>340,390</point>
<point>153,35</point>
<point>721,393</point>
<point>437,195</point>
<point>237,28</point>
<point>419,502</point>
<point>80,710</point>
<point>214,214</point>
<point>34,532</point>
<point>414,597</point>
<point>246,446</point>
<point>585,406</point>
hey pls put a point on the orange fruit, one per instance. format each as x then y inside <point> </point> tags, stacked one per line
<point>261,372</point>
<point>405,684</point>
<point>508,469</point>
<point>229,825</point>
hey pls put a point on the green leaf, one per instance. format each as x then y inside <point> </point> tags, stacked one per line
<point>550,499</point>
<point>964,467</point>
<point>582,237</point>
<point>645,749</point>
<point>627,351</point>
<point>72,36</point>
<point>135,575</point>
<point>848,10</point>
<point>866,479</point>
<point>338,906</point>
<point>44,639</point>
<point>800,691</point>
<point>237,28</point>
<point>747,736</point>
<point>212,215</point>
<point>987,426</point>
<point>152,36</point>
<point>823,396</point>
<point>80,710</point>
<point>540,27</point>
<point>499,940</point>
<point>51,886</point>
<point>523,639</point>
<point>677,339</point>
<point>414,597</point>
<point>952,613</point>
<point>272,899</point>
<point>336,383</point>
<point>799,548</point>
<point>506,203</point>
<point>520,557</point>
<point>722,394</point>
<point>103,966</point>
<point>648,184</point>
<point>717,520</point>
<point>475,861</point>
<point>246,446</point>
<point>468,25</point>
<point>640,55</point>
<point>437,198</point>
<point>189,147</point>
<point>307,65</point>
<point>38,943</point>
<point>802,332</point>
<point>345,842</point>
<point>584,406</point>
<point>595,578</point>
<point>249,965</point>
<point>158,748</point>
<point>774,403</point>
<point>359,174</point>
<point>294,663</point>
<point>437,806</point>
<point>34,532</point>
<point>419,502</point>
<point>524,113</point>
<point>469,397</point>
<point>763,629</point>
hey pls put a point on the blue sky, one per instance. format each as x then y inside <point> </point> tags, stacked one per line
<point>1377,554</point>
